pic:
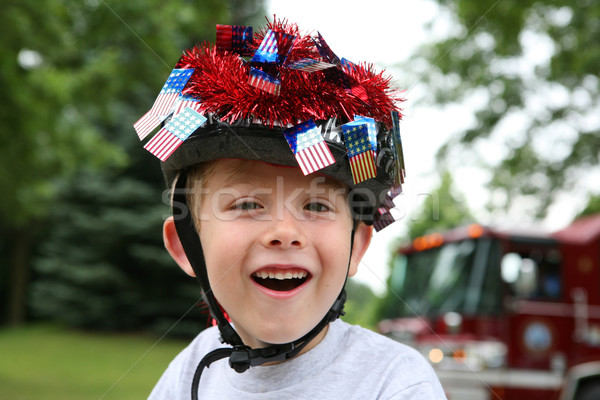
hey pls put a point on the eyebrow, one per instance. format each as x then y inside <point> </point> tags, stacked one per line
<point>241,177</point>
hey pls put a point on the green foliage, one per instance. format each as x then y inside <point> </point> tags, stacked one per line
<point>47,135</point>
<point>103,266</point>
<point>442,210</point>
<point>592,207</point>
<point>360,305</point>
<point>75,76</point>
<point>530,69</point>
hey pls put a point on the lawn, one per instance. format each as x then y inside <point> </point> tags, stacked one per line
<point>47,362</point>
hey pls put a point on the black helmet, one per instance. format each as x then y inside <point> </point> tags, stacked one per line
<point>285,98</point>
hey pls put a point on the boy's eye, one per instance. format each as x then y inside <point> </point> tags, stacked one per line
<point>317,207</point>
<point>248,205</point>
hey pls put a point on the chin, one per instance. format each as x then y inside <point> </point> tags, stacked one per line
<point>279,333</point>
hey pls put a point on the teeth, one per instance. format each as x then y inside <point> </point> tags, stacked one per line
<point>281,275</point>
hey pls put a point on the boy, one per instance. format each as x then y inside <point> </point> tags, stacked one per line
<point>281,157</point>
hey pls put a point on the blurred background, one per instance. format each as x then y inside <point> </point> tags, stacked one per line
<point>501,129</point>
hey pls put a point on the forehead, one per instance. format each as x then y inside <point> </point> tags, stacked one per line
<point>226,172</point>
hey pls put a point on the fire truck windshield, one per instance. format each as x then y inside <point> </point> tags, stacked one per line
<point>456,276</point>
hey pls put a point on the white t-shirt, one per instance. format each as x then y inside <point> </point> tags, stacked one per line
<point>350,363</point>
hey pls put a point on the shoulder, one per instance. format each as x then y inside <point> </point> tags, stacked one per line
<point>359,339</point>
<point>204,342</point>
<point>394,370</point>
<point>179,374</point>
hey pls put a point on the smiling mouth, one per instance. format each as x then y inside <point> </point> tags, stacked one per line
<point>280,281</point>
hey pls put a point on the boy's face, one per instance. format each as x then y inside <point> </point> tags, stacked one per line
<point>277,247</point>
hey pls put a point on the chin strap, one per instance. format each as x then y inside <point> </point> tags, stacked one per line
<point>241,357</point>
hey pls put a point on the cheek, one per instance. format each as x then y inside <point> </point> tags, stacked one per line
<point>335,252</point>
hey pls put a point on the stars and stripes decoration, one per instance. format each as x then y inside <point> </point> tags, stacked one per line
<point>398,152</point>
<point>274,48</point>
<point>339,74</point>
<point>325,51</point>
<point>396,191</point>
<point>360,153</point>
<point>309,65</point>
<point>173,134</point>
<point>185,101</point>
<point>264,81</point>
<point>383,216</point>
<point>272,52</point>
<point>309,147</point>
<point>371,128</point>
<point>147,123</point>
<point>164,102</point>
<point>348,65</point>
<point>386,205</point>
<point>380,220</point>
<point>234,38</point>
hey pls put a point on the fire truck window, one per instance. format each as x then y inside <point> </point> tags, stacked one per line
<point>526,282</point>
<point>489,302</point>
<point>449,281</point>
<point>550,275</point>
<point>409,279</point>
<point>533,275</point>
<point>510,265</point>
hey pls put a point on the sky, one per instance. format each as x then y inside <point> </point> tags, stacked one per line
<point>386,33</point>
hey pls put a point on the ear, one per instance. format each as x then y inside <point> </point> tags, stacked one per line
<point>174,247</point>
<point>362,239</point>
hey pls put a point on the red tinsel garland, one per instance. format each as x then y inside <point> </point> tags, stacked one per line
<point>220,80</point>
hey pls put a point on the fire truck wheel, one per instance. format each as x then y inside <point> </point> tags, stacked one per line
<point>589,391</point>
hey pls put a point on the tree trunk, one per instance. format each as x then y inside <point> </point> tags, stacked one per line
<point>18,276</point>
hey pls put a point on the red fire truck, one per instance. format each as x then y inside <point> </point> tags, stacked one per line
<point>503,314</point>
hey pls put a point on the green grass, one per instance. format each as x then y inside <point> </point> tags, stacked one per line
<point>47,362</point>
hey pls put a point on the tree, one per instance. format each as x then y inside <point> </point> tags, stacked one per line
<point>360,305</point>
<point>530,70</point>
<point>75,76</point>
<point>592,207</point>
<point>47,135</point>
<point>444,209</point>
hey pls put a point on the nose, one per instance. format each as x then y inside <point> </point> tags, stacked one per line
<point>284,232</point>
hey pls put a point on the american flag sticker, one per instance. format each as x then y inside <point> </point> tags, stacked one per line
<point>234,38</point>
<point>274,47</point>
<point>396,190</point>
<point>173,134</point>
<point>309,65</point>
<point>146,124</point>
<point>363,167</point>
<point>380,221</point>
<point>164,102</point>
<point>360,153</point>
<point>184,102</point>
<point>398,155</point>
<point>171,90</point>
<point>263,81</point>
<point>307,144</point>
<point>371,128</point>
<point>325,50</point>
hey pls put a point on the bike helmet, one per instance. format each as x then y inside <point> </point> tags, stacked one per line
<point>283,97</point>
